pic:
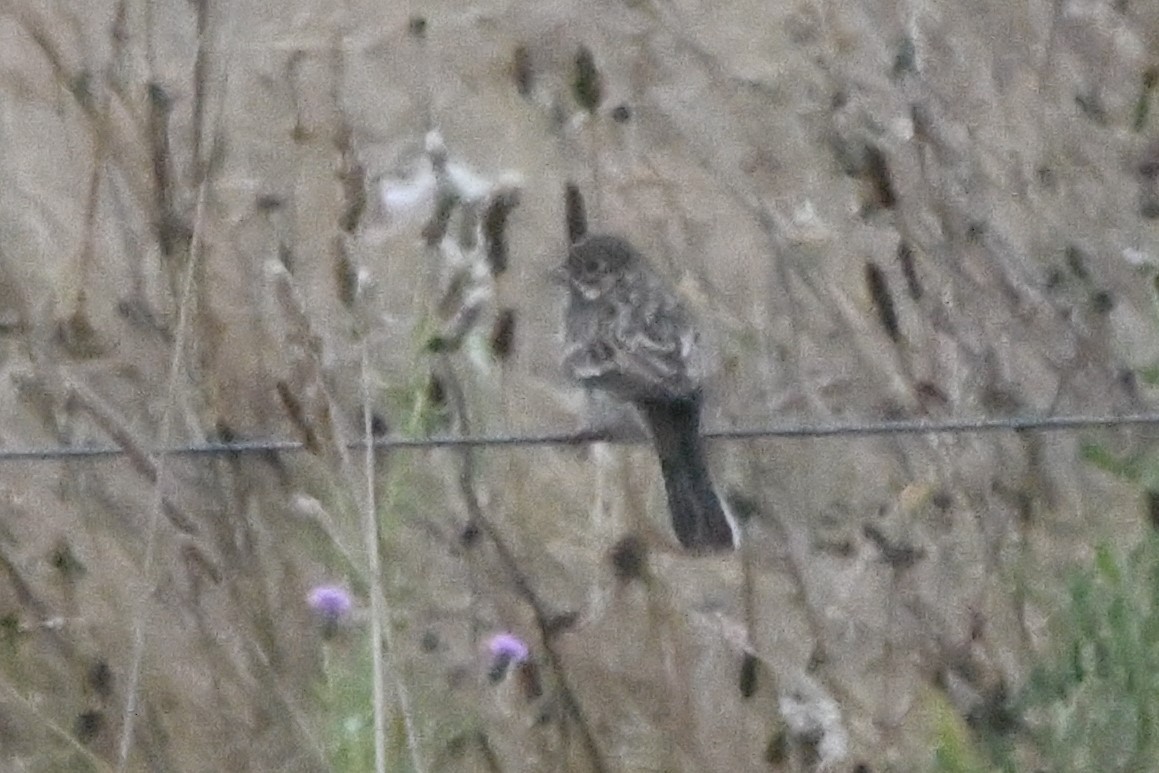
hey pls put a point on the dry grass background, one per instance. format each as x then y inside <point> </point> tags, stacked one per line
<point>879,209</point>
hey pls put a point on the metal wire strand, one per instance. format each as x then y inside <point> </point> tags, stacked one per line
<point>843,429</point>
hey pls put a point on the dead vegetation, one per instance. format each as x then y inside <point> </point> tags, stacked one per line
<point>339,223</point>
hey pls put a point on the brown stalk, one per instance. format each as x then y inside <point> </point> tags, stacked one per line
<point>478,520</point>
<point>135,448</point>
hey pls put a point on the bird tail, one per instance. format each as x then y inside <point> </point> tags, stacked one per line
<point>697,515</point>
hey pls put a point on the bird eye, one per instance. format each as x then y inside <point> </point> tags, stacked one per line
<point>591,266</point>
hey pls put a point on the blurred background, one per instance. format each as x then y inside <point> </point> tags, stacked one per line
<point>228,225</point>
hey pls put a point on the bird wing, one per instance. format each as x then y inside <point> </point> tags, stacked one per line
<point>641,351</point>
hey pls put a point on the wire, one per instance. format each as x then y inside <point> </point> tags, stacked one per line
<point>848,429</point>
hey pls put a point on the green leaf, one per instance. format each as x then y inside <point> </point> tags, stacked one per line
<point>955,750</point>
<point>1149,375</point>
<point>1107,566</point>
<point>1103,459</point>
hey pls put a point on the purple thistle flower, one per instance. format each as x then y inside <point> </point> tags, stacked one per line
<point>506,650</point>
<point>331,603</point>
<point>510,646</point>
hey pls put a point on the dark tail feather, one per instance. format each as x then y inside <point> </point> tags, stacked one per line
<point>697,516</point>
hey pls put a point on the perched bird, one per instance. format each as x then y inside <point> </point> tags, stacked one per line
<point>628,335</point>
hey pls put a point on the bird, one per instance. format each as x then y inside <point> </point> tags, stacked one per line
<point>627,334</point>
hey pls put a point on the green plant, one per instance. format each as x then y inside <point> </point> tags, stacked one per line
<point>1092,704</point>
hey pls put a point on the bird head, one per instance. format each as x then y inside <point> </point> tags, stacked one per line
<point>595,264</point>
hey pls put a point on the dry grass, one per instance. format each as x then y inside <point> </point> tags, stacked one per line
<point>878,210</point>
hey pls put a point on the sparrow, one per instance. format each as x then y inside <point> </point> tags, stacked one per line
<point>628,335</point>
